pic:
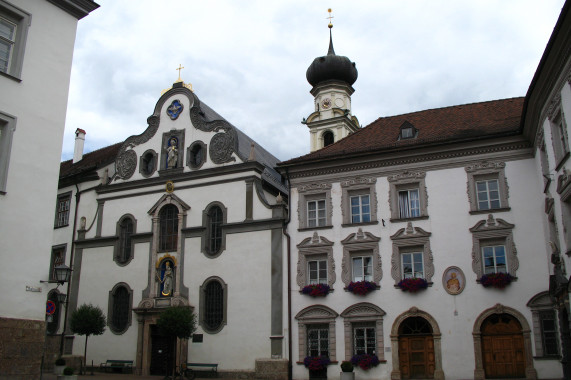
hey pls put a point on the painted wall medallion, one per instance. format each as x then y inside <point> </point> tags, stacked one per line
<point>453,280</point>
<point>169,187</point>
<point>175,109</point>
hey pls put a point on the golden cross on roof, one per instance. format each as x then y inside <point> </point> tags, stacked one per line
<point>330,17</point>
<point>180,67</point>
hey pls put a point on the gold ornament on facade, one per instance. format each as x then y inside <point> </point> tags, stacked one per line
<point>169,187</point>
<point>179,80</point>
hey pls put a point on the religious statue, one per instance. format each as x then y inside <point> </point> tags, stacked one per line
<point>172,153</point>
<point>167,280</point>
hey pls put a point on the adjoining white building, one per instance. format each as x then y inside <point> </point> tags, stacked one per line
<point>36,48</point>
<point>189,212</point>
<point>419,211</point>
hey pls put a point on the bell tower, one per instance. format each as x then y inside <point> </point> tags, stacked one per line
<point>331,77</point>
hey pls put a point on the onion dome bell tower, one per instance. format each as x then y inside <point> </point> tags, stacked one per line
<point>332,77</point>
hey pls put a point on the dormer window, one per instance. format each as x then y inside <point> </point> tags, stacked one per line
<point>407,131</point>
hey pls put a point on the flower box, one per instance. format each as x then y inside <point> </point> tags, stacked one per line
<point>316,290</point>
<point>316,363</point>
<point>365,361</point>
<point>361,287</point>
<point>496,280</point>
<point>412,284</point>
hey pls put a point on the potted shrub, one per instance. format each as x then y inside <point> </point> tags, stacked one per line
<point>412,284</point>
<point>59,366</point>
<point>496,280</point>
<point>365,361</point>
<point>67,374</point>
<point>361,287</point>
<point>316,290</point>
<point>347,371</point>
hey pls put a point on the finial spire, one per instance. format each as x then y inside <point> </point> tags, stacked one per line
<point>330,51</point>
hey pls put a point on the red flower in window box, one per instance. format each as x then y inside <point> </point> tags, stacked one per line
<point>361,287</point>
<point>365,361</point>
<point>412,284</point>
<point>316,363</point>
<point>496,280</point>
<point>316,290</point>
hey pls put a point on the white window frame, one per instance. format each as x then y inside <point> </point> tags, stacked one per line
<point>488,194</point>
<point>321,265</point>
<point>411,239</point>
<point>318,220</point>
<point>496,268</point>
<point>362,268</point>
<point>59,222</point>
<point>314,248</point>
<point>8,42</point>
<point>363,314</point>
<point>486,171</point>
<point>360,213</point>
<point>413,256</point>
<point>407,210</point>
<point>361,244</point>
<point>7,129</point>
<point>312,192</point>
<point>407,181</point>
<point>22,20</point>
<point>358,187</point>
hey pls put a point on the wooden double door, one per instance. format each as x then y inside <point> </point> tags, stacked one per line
<point>503,350</point>
<point>416,349</point>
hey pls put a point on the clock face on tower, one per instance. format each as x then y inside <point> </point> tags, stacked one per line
<point>326,103</point>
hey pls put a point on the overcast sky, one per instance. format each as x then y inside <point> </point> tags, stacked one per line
<point>247,60</point>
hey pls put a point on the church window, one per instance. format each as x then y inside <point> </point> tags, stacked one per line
<point>14,24</point>
<point>408,197</point>
<point>53,320</point>
<point>196,154</point>
<point>317,270</point>
<point>487,187</point>
<point>62,210</point>
<point>214,230</point>
<point>360,209</point>
<point>168,224</point>
<point>148,163</point>
<point>213,299</point>
<point>125,231</point>
<point>328,138</point>
<point>315,206</point>
<point>120,303</point>
<point>57,259</point>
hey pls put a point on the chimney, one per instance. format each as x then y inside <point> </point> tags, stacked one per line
<point>79,141</point>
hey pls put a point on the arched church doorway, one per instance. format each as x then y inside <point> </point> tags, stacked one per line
<point>416,349</point>
<point>503,352</point>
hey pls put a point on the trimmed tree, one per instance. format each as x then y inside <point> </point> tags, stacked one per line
<point>87,320</point>
<point>177,322</point>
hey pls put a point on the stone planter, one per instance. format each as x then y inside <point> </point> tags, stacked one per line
<point>347,375</point>
<point>58,369</point>
<point>68,377</point>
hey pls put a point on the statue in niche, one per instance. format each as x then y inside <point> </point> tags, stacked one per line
<point>166,280</point>
<point>172,153</point>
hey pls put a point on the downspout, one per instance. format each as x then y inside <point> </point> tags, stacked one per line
<point>77,199</point>
<point>288,239</point>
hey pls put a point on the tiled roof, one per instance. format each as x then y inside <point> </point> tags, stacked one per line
<point>442,125</point>
<point>90,161</point>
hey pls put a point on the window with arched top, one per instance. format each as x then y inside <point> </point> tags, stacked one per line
<point>214,230</point>
<point>126,229</point>
<point>213,302</point>
<point>168,228</point>
<point>120,300</point>
<point>328,138</point>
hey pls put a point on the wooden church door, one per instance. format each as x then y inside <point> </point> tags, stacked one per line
<point>416,349</point>
<point>502,347</point>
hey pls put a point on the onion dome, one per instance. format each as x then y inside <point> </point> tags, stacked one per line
<point>331,67</point>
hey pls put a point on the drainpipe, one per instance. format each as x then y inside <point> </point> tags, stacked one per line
<point>288,239</point>
<point>77,199</point>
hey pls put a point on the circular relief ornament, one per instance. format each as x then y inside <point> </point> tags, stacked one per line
<point>126,164</point>
<point>221,148</point>
<point>326,103</point>
<point>339,102</point>
<point>175,109</point>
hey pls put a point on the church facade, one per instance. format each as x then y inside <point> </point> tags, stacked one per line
<point>190,212</point>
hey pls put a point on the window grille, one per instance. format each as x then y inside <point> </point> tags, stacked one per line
<point>215,219</point>
<point>549,333</point>
<point>168,228</point>
<point>62,215</point>
<point>318,340</point>
<point>120,318</point>
<point>364,340</point>
<point>213,305</point>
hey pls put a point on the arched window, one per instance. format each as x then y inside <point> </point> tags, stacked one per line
<point>168,224</point>
<point>328,138</point>
<point>53,325</point>
<point>215,218</point>
<point>213,305</point>
<point>126,229</point>
<point>119,318</point>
